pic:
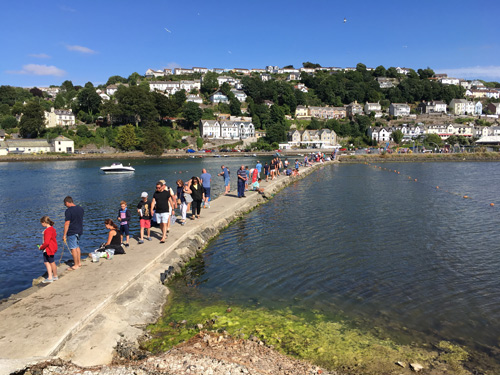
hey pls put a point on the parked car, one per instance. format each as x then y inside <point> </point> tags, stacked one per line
<point>190,151</point>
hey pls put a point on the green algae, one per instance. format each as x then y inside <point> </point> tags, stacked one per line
<point>333,344</point>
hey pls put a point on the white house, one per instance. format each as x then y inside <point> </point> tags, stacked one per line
<point>63,144</point>
<point>449,81</point>
<point>59,117</point>
<point>218,97</point>
<point>35,146</point>
<point>194,99</point>
<point>240,95</point>
<point>179,71</point>
<point>381,134</point>
<point>210,129</point>
<point>478,108</point>
<point>197,69</point>
<point>226,129</point>
<point>399,109</point>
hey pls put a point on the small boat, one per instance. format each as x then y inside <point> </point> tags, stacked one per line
<point>118,168</point>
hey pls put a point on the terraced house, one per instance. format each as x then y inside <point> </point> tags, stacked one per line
<point>216,129</point>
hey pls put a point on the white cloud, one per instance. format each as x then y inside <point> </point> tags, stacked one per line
<point>475,72</point>
<point>39,70</point>
<point>40,55</point>
<point>80,49</point>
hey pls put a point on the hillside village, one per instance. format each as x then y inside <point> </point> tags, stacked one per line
<point>312,106</point>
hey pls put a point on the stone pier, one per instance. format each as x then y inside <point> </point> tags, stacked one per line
<point>86,312</point>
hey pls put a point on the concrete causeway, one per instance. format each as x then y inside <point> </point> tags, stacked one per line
<point>86,312</point>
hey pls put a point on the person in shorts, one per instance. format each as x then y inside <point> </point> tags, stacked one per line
<point>162,202</point>
<point>206,179</point>
<point>225,174</point>
<point>145,215</point>
<point>73,230</point>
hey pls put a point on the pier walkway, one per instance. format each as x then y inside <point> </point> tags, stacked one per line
<point>86,312</point>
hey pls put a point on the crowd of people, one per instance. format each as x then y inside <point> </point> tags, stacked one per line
<point>193,194</point>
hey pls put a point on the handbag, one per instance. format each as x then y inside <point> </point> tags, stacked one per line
<point>188,198</point>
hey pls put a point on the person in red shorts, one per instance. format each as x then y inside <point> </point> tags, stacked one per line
<point>144,210</point>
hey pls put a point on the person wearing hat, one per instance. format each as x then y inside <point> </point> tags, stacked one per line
<point>145,214</point>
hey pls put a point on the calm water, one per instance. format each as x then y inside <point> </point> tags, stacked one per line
<point>350,239</point>
<point>33,189</point>
<point>376,246</point>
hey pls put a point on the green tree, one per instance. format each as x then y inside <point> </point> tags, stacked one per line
<point>33,120</point>
<point>425,73</point>
<point>83,131</point>
<point>126,138</point>
<point>209,83</point>
<point>115,79</point>
<point>234,106</point>
<point>67,86</point>
<point>8,95</point>
<point>276,129</point>
<point>199,143</point>
<point>88,100</point>
<point>380,71</point>
<point>9,122</point>
<point>310,65</point>
<point>60,101</point>
<point>432,140</point>
<point>134,78</point>
<point>314,124</point>
<point>135,103</point>
<point>397,136</point>
<point>154,140</point>
<point>192,113</point>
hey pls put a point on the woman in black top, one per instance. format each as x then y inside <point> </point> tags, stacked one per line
<point>114,239</point>
<point>196,191</point>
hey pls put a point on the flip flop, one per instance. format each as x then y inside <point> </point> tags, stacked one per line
<point>71,269</point>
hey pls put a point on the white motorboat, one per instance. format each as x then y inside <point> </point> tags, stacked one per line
<point>118,168</point>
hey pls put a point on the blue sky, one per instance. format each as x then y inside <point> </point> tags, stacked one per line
<point>45,43</point>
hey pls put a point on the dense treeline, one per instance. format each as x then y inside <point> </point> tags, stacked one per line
<point>153,116</point>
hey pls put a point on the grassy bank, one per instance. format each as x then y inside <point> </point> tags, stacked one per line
<point>373,158</point>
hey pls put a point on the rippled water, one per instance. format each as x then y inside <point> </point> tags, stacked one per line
<point>374,245</point>
<point>29,190</point>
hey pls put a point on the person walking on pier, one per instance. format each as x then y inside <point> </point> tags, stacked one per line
<point>162,201</point>
<point>73,229</point>
<point>206,179</point>
<point>242,178</point>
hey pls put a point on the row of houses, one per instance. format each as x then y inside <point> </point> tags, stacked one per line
<point>324,138</point>
<point>36,146</point>
<point>234,128</point>
<point>457,106</point>
<point>444,131</point>
<point>350,110</point>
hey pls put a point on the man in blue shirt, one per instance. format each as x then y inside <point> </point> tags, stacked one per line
<point>73,229</point>
<point>206,179</point>
<point>225,174</point>
<point>259,168</point>
<point>242,178</point>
